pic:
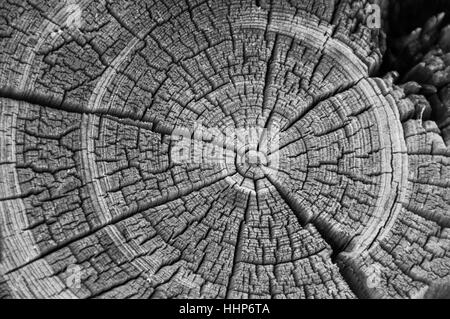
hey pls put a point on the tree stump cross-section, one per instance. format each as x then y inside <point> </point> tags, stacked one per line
<point>340,190</point>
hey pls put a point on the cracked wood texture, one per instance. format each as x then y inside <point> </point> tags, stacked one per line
<point>90,93</point>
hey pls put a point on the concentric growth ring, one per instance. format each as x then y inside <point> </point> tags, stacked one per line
<point>206,149</point>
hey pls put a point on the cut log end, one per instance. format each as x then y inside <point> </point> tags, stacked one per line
<point>235,149</point>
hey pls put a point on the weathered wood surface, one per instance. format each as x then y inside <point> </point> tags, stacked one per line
<point>93,205</point>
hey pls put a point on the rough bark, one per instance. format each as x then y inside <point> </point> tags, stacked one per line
<point>87,179</point>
